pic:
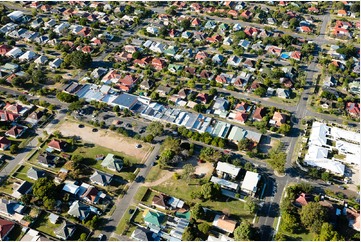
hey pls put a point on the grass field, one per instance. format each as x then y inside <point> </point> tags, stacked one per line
<point>182,190</point>
<point>43,224</point>
<point>21,173</point>
<point>124,221</point>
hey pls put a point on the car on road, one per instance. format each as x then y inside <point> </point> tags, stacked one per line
<point>101,237</point>
<point>157,157</point>
<point>94,130</point>
<point>128,125</point>
<point>342,188</point>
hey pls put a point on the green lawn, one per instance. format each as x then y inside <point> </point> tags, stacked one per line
<point>154,174</point>
<point>124,221</point>
<point>140,194</point>
<point>7,186</point>
<point>42,224</point>
<point>182,190</point>
<point>21,173</point>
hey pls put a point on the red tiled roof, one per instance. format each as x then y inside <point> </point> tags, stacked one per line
<point>15,131</point>
<point>246,14</point>
<point>279,118</point>
<point>258,113</point>
<point>353,108</point>
<point>8,116</point>
<point>14,108</point>
<point>241,116</point>
<point>4,49</point>
<point>57,144</point>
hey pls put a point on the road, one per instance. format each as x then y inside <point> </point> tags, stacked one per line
<point>122,205</point>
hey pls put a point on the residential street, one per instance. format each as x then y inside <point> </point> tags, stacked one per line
<point>123,204</point>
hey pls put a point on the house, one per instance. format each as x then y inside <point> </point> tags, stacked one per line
<point>227,170</point>
<point>273,50</point>
<point>201,56</point>
<point>283,93</point>
<point>228,41</point>
<point>158,64</point>
<point>244,44</point>
<point>221,104</point>
<point>16,131</point>
<point>36,23</point>
<point>153,219</point>
<point>233,13</point>
<point>233,61</point>
<point>278,119</point>
<point>186,35</point>
<point>45,8</point>
<point>223,223</point>
<point>243,107</point>
<point>4,49</point>
<point>160,201</point>
<point>246,14</point>
<point>24,188</point>
<point>146,84</point>
<point>341,13</point>
<point>10,208</point>
<point>27,56</point>
<point>4,143</point>
<point>57,145</point>
<point>49,24</point>
<point>87,49</point>
<point>126,83</point>
<point>65,231</point>
<point>353,109</point>
<point>41,60</point>
<point>35,173</point>
<point>112,163</point>
<point>6,227</point>
<point>142,234</point>
<point>303,199</point>
<point>202,97</point>
<point>174,68</point>
<point>47,159</point>
<point>237,27</point>
<point>79,210</point>
<point>14,53</point>
<point>250,182</point>
<point>85,31</point>
<point>206,75</point>
<point>305,29</point>
<point>313,9</point>
<point>163,90</point>
<point>33,118</point>
<point>251,31</point>
<point>55,64</point>
<point>296,55</point>
<point>214,39</point>
<point>61,28</point>
<point>217,59</point>
<point>241,117</point>
<point>259,113</point>
<point>91,195</point>
<point>101,178</point>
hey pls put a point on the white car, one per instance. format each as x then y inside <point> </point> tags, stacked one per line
<point>138,146</point>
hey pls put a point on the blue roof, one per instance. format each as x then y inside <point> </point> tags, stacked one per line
<point>125,100</point>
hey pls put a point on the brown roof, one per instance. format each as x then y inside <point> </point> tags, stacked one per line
<point>159,200</point>
<point>4,49</point>
<point>258,113</point>
<point>57,144</point>
<point>5,227</point>
<point>14,108</point>
<point>91,193</point>
<point>241,117</point>
<point>280,118</point>
<point>4,142</point>
<point>7,116</point>
<point>15,130</point>
<point>226,224</point>
<point>303,199</point>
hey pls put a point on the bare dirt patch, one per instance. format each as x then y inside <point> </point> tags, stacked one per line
<point>106,139</point>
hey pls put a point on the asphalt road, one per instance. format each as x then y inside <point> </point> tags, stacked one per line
<point>123,205</point>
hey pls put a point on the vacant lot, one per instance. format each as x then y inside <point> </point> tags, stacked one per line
<point>106,138</point>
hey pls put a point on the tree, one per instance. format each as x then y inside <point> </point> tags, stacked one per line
<point>78,59</point>
<point>44,188</point>
<point>289,222</point>
<point>14,149</point>
<point>197,211</point>
<point>188,171</point>
<point>243,231</point>
<point>185,24</point>
<point>154,96</point>
<point>213,92</point>
<point>199,108</point>
<point>260,91</point>
<point>244,144</point>
<point>65,97</point>
<point>172,144</point>
<point>26,198</point>
<point>188,235</point>
<point>325,176</point>
<point>93,223</point>
<point>83,237</point>
<point>209,154</point>
<point>251,205</point>
<point>204,228</point>
<point>355,7</point>
<point>155,128</point>
<point>312,216</point>
<point>277,159</point>
<point>210,190</point>
<point>165,157</point>
<point>49,203</point>
<point>285,128</point>
<point>328,233</point>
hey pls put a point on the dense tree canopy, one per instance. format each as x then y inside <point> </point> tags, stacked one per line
<point>155,128</point>
<point>313,215</point>
<point>244,231</point>
<point>78,59</point>
<point>44,188</point>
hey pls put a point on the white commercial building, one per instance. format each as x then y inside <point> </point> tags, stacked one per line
<point>250,182</point>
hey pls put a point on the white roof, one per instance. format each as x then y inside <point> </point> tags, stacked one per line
<point>176,202</point>
<point>317,156</point>
<point>228,168</point>
<point>28,55</point>
<point>318,134</point>
<point>224,183</point>
<point>41,59</point>
<point>338,133</point>
<point>14,52</point>
<point>250,181</point>
<point>71,188</point>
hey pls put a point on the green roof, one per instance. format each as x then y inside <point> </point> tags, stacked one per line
<point>154,218</point>
<point>186,215</point>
